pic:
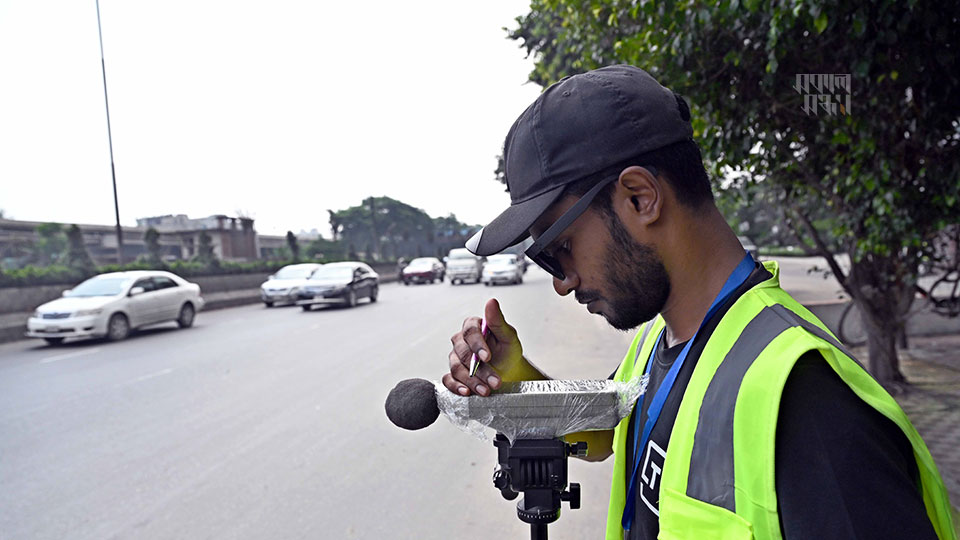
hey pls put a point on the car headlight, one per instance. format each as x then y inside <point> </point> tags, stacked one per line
<point>87,312</point>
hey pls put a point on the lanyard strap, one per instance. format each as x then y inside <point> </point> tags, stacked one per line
<point>736,279</point>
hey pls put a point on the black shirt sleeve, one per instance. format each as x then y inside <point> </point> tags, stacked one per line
<point>843,470</point>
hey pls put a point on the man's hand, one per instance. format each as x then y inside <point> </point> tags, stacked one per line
<point>500,355</point>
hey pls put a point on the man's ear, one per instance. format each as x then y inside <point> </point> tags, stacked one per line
<point>638,196</point>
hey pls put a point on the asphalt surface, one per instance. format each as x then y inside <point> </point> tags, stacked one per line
<point>269,423</point>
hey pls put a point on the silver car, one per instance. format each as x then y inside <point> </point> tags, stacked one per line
<point>111,305</point>
<point>283,286</point>
<point>502,268</point>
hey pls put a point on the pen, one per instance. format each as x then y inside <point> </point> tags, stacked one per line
<point>474,364</point>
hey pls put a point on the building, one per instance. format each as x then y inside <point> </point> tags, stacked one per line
<point>233,239</point>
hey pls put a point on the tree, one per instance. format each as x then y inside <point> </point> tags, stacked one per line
<point>205,251</point>
<point>871,172</point>
<point>77,255</point>
<point>451,233</point>
<point>49,249</point>
<point>321,248</point>
<point>293,245</point>
<point>382,220</point>
<point>151,238</point>
<point>335,225</point>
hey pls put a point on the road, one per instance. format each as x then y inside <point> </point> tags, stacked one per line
<point>269,423</point>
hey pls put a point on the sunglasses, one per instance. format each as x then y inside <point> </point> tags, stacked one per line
<point>538,252</point>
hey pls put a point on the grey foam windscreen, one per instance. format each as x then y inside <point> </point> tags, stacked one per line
<point>412,404</point>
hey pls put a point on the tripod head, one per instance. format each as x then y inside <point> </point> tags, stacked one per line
<point>538,469</point>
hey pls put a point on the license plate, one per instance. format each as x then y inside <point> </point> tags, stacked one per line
<point>53,329</point>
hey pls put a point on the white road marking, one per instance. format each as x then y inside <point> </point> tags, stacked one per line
<point>152,375</point>
<point>418,341</point>
<point>68,355</point>
<point>145,377</point>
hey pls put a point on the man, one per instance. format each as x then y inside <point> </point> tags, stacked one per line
<point>756,423</point>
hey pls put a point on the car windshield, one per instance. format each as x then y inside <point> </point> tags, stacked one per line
<point>421,262</point>
<point>502,260</point>
<point>461,254</point>
<point>101,286</point>
<point>336,272</point>
<point>294,272</point>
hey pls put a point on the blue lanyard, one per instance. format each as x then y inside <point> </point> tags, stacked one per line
<point>736,279</point>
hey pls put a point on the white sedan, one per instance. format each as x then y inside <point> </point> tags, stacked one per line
<point>502,268</point>
<point>284,286</point>
<point>111,305</point>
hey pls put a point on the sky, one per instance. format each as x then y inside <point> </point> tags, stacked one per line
<point>274,110</point>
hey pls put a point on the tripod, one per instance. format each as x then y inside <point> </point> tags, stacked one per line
<point>538,468</point>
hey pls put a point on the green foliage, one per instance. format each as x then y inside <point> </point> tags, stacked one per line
<point>321,248</point>
<point>42,275</point>
<point>151,239</point>
<point>387,227</point>
<point>877,181</point>
<point>887,171</point>
<point>293,245</point>
<point>205,253</point>
<point>64,275</point>
<point>50,248</point>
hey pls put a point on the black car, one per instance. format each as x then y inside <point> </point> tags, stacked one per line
<point>341,283</point>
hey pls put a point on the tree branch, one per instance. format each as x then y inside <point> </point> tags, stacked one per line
<point>825,252</point>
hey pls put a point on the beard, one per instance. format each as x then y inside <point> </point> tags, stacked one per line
<point>637,276</point>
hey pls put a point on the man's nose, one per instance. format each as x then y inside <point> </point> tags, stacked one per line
<point>567,284</point>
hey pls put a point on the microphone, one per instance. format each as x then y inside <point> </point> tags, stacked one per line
<point>525,409</point>
<point>412,404</point>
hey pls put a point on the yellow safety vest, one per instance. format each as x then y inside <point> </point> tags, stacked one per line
<point>735,388</point>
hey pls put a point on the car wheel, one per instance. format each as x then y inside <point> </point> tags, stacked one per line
<point>453,282</point>
<point>432,281</point>
<point>54,341</point>
<point>268,304</point>
<point>487,283</point>
<point>519,279</point>
<point>405,282</point>
<point>307,307</point>
<point>118,328</point>
<point>351,298</point>
<point>187,313</point>
<point>373,294</point>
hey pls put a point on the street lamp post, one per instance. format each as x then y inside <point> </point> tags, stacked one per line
<point>113,171</point>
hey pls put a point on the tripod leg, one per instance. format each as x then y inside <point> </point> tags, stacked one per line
<point>538,531</point>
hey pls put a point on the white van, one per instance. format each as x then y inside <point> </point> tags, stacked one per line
<point>463,266</point>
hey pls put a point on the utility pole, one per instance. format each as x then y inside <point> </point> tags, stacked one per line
<point>113,171</point>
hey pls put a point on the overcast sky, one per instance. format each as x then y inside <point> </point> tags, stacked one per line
<point>279,110</point>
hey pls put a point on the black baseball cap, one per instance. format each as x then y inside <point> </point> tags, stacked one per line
<point>577,128</point>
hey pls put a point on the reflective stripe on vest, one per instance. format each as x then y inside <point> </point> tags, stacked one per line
<point>711,476</point>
